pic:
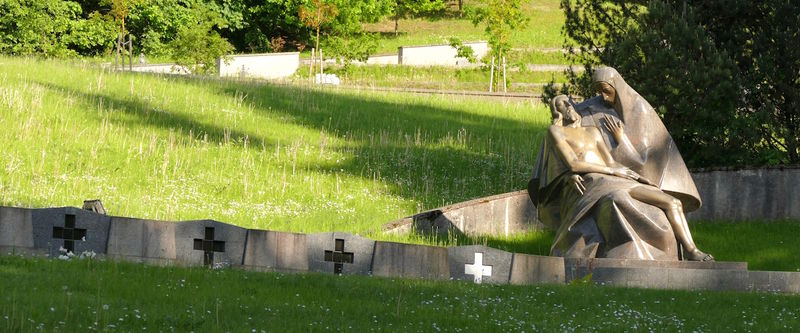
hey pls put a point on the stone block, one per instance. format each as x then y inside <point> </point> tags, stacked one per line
<point>145,240</point>
<point>479,264</point>
<point>589,264</point>
<point>209,242</point>
<point>16,229</point>
<point>529,269</point>
<point>671,278</point>
<point>770,281</point>
<point>72,228</point>
<point>340,253</point>
<point>410,261</point>
<point>272,250</point>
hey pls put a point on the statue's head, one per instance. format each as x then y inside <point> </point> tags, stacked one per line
<point>605,83</point>
<point>563,112</point>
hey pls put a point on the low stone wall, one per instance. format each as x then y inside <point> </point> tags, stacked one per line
<point>52,231</point>
<point>260,66</point>
<point>438,55</point>
<point>502,214</point>
<point>748,194</point>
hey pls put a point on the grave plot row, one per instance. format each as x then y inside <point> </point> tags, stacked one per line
<point>54,231</point>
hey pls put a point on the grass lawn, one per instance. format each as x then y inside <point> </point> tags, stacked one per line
<point>543,30</point>
<point>79,296</point>
<point>280,157</point>
<point>437,77</point>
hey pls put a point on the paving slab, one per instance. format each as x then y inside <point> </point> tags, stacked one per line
<point>72,228</point>
<point>479,264</point>
<point>340,253</point>
<point>142,240</point>
<point>530,269</point>
<point>272,250</point>
<point>410,261</point>
<point>209,242</point>
<point>16,229</point>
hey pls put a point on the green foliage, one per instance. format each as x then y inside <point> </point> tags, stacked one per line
<point>725,75</point>
<point>265,20</point>
<point>347,49</point>
<point>501,18</point>
<point>37,27</point>
<point>197,46</point>
<point>463,51</point>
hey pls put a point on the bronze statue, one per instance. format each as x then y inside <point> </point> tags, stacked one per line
<point>609,194</point>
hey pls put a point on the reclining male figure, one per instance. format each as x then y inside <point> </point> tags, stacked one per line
<point>583,150</point>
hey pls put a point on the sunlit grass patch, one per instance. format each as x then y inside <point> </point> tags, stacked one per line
<point>280,157</point>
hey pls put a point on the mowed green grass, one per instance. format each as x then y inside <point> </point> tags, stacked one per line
<point>436,77</point>
<point>542,32</point>
<point>80,296</point>
<point>279,157</point>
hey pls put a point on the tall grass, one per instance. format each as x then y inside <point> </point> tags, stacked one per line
<point>282,157</point>
<point>80,296</point>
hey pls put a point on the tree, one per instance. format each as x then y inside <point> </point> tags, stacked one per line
<point>37,27</point>
<point>197,46</point>
<point>725,75</point>
<point>502,18</point>
<point>317,14</point>
<point>404,8</point>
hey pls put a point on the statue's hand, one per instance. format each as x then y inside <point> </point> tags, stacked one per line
<point>645,181</point>
<point>625,172</point>
<point>578,181</point>
<point>614,127</point>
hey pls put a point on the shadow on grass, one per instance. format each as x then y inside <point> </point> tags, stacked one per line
<point>428,153</point>
<point>146,114</point>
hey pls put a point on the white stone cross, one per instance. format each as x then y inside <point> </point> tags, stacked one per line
<point>478,269</point>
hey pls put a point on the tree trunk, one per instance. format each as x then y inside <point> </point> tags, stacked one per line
<point>396,23</point>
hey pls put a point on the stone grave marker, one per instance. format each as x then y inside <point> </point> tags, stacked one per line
<point>272,250</point>
<point>411,261</point>
<point>142,240</point>
<point>340,253</point>
<point>479,264</point>
<point>209,243</point>
<point>16,229</point>
<point>529,269</point>
<point>73,229</point>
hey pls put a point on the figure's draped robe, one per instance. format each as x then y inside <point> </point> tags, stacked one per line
<point>605,222</point>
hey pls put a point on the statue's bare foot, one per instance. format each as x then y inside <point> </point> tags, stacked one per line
<point>698,255</point>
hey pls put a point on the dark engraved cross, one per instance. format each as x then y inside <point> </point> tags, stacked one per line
<point>69,233</point>
<point>339,257</point>
<point>208,245</point>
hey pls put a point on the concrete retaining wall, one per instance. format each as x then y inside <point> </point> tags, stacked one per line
<point>763,194</point>
<point>438,55</point>
<point>260,66</point>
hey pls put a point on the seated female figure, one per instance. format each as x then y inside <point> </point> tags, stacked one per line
<point>584,152</point>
